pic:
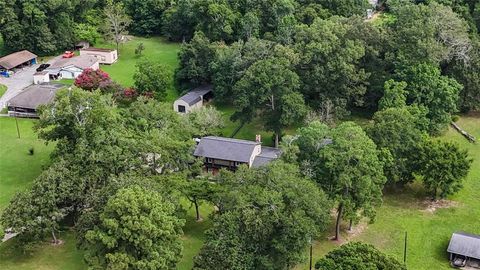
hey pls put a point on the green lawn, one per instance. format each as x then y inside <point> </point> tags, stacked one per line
<point>3,89</point>
<point>17,167</point>
<point>156,49</point>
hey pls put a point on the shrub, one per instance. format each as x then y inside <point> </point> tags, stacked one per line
<point>92,79</point>
<point>455,118</point>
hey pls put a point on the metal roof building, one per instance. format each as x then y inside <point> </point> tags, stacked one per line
<point>16,59</point>
<point>466,247</point>
<point>193,99</point>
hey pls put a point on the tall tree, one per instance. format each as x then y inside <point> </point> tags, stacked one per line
<point>396,129</point>
<point>345,164</point>
<point>270,86</point>
<point>329,65</point>
<point>443,166</point>
<point>116,23</point>
<point>138,230</point>
<point>152,78</point>
<point>439,94</point>
<point>265,219</point>
<point>195,58</point>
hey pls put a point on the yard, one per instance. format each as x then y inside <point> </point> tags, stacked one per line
<point>156,49</point>
<point>428,231</point>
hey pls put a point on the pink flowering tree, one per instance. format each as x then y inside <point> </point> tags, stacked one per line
<point>92,79</point>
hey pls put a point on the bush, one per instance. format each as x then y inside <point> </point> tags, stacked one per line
<point>455,118</point>
<point>92,79</point>
<point>358,256</point>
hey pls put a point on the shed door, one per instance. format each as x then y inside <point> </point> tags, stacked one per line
<point>181,108</point>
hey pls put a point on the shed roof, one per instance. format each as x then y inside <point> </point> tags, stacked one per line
<point>465,244</point>
<point>225,148</point>
<point>35,95</point>
<point>196,94</point>
<point>82,62</point>
<point>93,49</point>
<point>17,58</point>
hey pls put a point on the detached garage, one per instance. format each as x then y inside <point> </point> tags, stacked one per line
<point>18,60</point>
<point>193,99</point>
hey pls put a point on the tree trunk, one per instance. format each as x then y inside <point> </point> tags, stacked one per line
<point>276,139</point>
<point>339,219</point>
<point>55,241</point>
<point>350,225</point>
<point>197,211</point>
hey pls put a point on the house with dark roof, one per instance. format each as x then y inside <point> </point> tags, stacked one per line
<point>220,152</point>
<point>17,60</point>
<point>194,99</point>
<point>25,104</point>
<point>71,68</point>
<point>464,250</point>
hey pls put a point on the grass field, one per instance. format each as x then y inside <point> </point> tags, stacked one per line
<point>156,49</point>
<point>17,167</point>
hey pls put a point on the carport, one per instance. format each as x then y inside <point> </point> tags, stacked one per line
<point>464,250</point>
<point>17,60</point>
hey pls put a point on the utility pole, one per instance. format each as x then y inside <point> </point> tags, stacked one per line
<point>16,122</point>
<point>405,249</point>
<point>311,251</point>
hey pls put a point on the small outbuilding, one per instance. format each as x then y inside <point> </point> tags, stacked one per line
<point>82,44</point>
<point>71,68</point>
<point>104,56</point>
<point>41,77</point>
<point>194,99</point>
<point>464,250</point>
<point>25,104</point>
<point>17,60</point>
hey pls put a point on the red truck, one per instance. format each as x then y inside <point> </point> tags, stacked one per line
<point>68,54</point>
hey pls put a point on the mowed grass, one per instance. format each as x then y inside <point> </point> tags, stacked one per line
<point>17,167</point>
<point>428,233</point>
<point>156,49</point>
<point>17,171</point>
<point>3,89</point>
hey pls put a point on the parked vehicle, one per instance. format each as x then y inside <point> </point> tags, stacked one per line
<point>68,54</point>
<point>42,67</point>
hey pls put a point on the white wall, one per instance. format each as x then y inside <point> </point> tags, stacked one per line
<point>103,57</point>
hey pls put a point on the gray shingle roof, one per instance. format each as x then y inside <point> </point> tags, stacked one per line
<point>267,155</point>
<point>15,59</point>
<point>465,244</point>
<point>35,95</point>
<point>82,62</point>
<point>196,94</point>
<point>225,148</point>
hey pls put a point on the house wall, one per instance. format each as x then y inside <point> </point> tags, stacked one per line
<point>103,57</point>
<point>38,79</point>
<point>256,151</point>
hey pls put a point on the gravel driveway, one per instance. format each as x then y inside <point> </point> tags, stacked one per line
<point>16,83</point>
